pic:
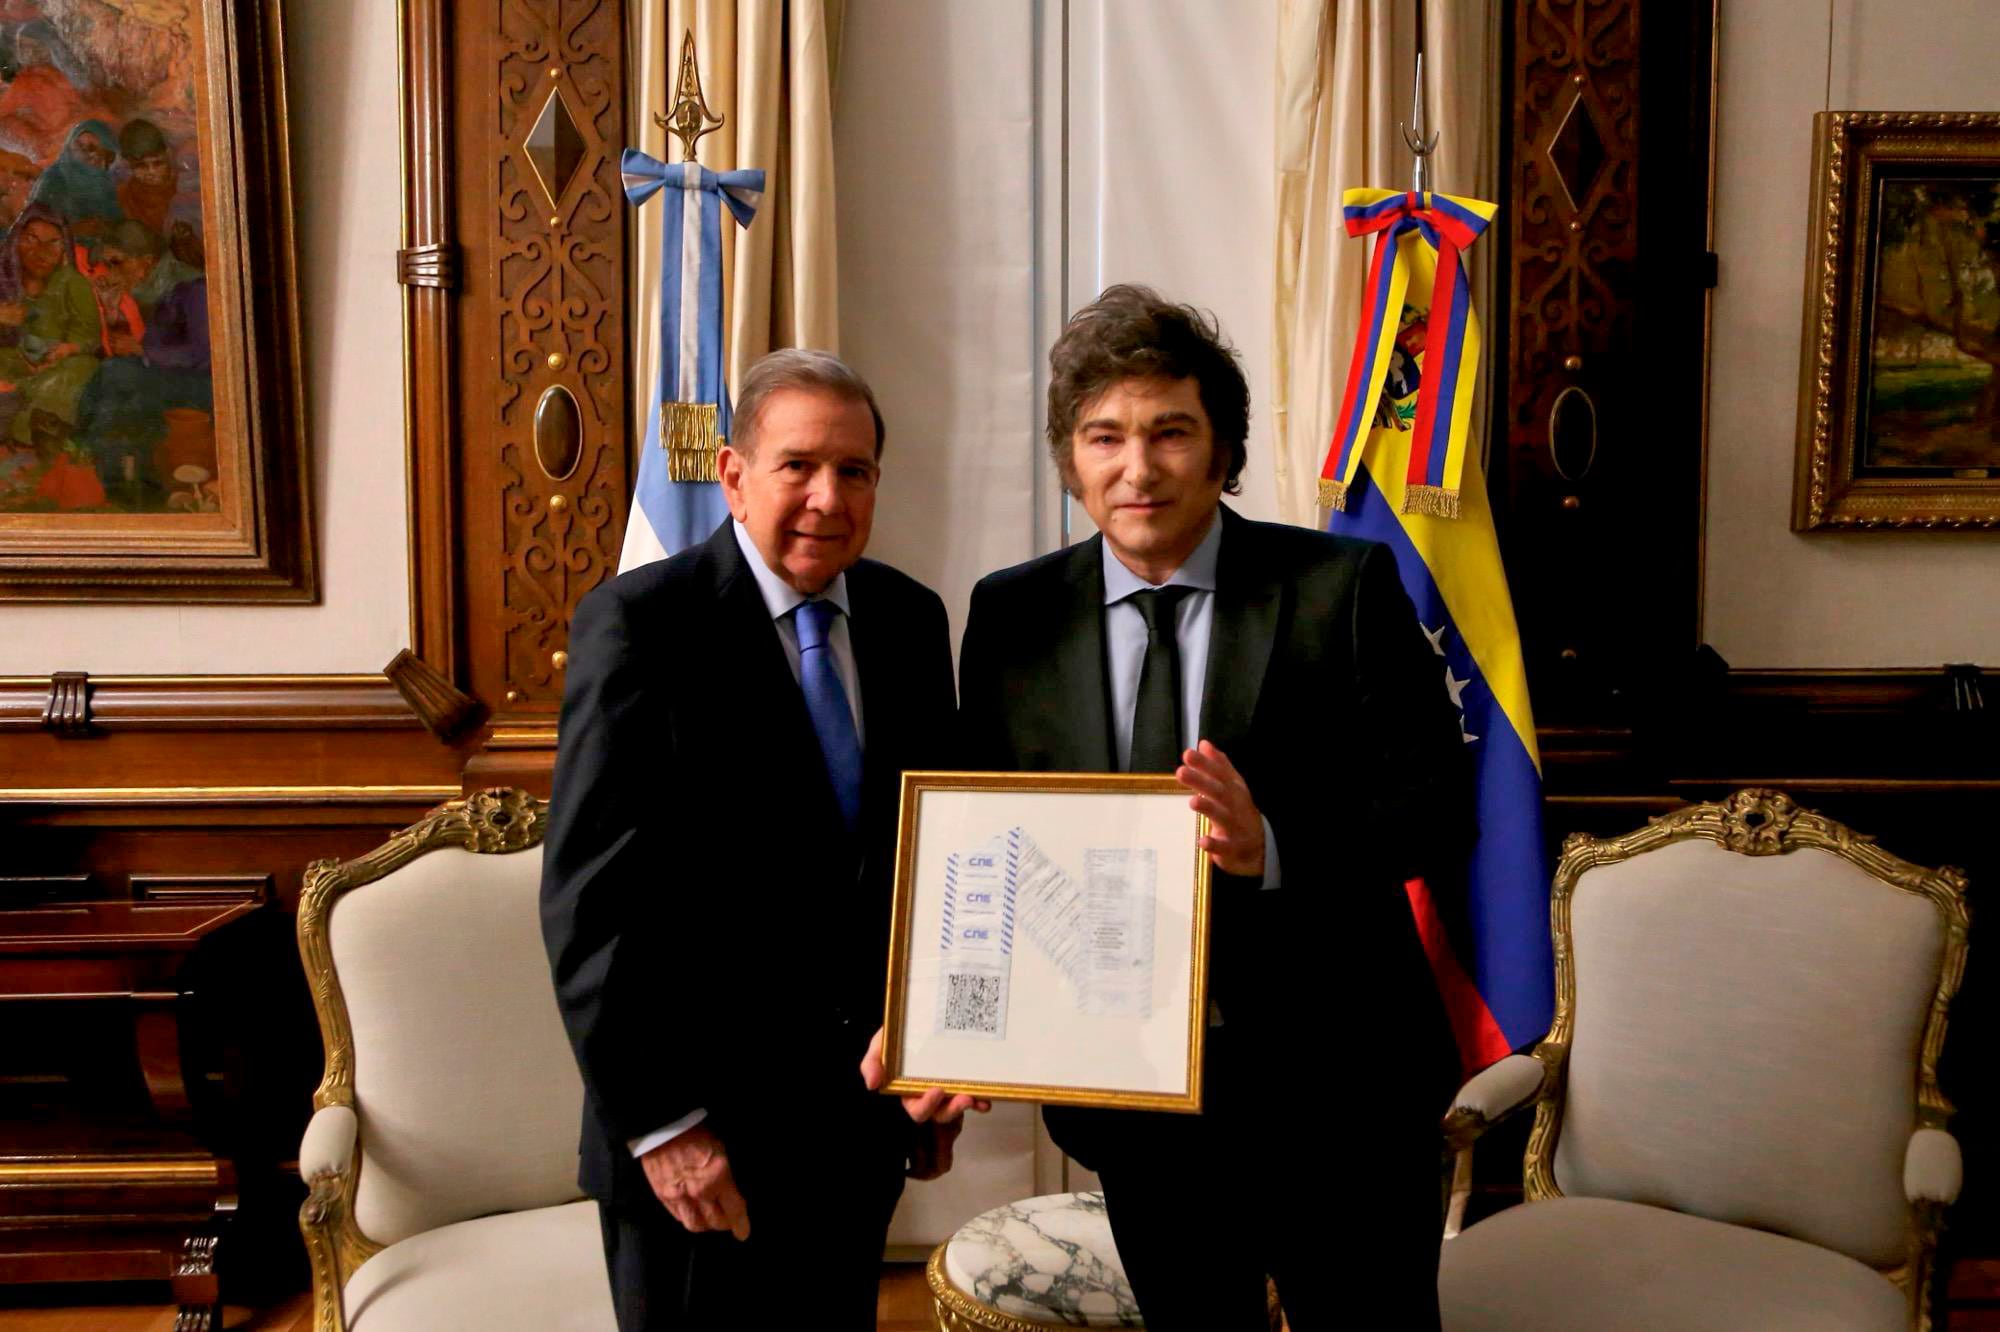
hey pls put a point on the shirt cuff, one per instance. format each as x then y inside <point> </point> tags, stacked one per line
<point>665,1134</point>
<point>1270,856</point>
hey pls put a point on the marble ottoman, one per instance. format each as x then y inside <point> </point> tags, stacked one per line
<point>1038,1263</point>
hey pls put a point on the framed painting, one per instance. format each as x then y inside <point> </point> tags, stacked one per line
<point>1049,940</point>
<point>151,440</point>
<point>1899,399</point>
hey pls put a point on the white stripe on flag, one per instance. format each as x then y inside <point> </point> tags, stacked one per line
<point>690,331</point>
<point>642,544</point>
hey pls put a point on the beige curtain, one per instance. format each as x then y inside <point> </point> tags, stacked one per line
<point>1344,76</point>
<point>767,68</point>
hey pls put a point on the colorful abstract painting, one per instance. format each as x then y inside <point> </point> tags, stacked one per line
<point>106,391</point>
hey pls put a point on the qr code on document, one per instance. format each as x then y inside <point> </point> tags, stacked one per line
<point>972,1003</point>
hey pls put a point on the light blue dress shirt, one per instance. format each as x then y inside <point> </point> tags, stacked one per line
<point>1194,623</point>
<point>781,599</point>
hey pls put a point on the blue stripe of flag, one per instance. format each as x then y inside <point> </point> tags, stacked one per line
<point>1507,883</point>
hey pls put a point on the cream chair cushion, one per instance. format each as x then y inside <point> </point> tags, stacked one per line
<point>467,1092</point>
<point>1746,1044</point>
<point>1598,1265</point>
<point>542,1269</point>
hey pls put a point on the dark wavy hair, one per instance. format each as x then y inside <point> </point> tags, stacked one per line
<point>1132,332</point>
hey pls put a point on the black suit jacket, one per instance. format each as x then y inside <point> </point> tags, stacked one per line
<point>715,933</point>
<point>1323,691</point>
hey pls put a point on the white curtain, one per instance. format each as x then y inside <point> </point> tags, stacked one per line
<point>767,67</point>
<point>1344,78</point>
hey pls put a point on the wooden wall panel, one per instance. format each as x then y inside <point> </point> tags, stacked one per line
<point>545,324</point>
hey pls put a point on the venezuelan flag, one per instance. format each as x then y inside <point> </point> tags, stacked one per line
<point>1498,975</point>
<point>1495,966</point>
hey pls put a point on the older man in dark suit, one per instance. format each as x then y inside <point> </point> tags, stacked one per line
<point>718,874</point>
<point>1281,674</point>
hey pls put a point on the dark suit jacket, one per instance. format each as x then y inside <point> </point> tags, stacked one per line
<point>716,935</point>
<point>1324,693</point>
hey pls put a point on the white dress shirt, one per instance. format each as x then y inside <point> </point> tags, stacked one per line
<point>1194,623</point>
<point>781,599</point>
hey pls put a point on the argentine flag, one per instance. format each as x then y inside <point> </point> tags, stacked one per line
<point>676,501</point>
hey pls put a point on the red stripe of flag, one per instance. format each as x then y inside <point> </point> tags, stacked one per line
<point>1480,1040</point>
<point>1436,367</point>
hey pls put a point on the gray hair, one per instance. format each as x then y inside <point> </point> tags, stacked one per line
<point>803,369</point>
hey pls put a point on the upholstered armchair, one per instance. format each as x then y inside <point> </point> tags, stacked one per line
<point>1737,1115</point>
<point>441,1154</point>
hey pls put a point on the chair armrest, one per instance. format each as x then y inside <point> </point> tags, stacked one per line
<point>328,1145</point>
<point>1933,1169</point>
<point>1493,1093</point>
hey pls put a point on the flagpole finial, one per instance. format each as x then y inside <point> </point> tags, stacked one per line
<point>690,117</point>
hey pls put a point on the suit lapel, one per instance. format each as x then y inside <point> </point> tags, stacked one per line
<point>1247,595</point>
<point>750,657</point>
<point>1081,687</point>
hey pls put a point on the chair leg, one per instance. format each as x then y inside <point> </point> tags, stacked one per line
<point>197,1286</point>
<point>1461,1193</point>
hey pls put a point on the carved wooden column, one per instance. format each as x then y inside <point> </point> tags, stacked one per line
<point>1598,488</point>
<point>557,221</point>
<point>515,223</point>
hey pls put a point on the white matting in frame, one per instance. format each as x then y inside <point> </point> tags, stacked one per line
<point>1050,940</point>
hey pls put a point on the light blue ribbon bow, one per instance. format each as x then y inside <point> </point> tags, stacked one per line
<point>644,176</point>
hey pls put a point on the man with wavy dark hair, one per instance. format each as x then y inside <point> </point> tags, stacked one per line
<point>1281,675</point>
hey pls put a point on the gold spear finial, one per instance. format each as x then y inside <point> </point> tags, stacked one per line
<point>690,117</point>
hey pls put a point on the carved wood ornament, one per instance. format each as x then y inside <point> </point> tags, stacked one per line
<point>557,260</point>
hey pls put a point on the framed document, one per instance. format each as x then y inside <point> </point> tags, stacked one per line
<point>1050,940</point>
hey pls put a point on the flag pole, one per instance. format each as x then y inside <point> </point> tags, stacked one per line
<point>1420,147</point>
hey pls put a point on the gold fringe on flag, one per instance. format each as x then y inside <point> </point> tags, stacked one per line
<point>1332,495</point>
<point>1434,501</point>
<point>687,433</point>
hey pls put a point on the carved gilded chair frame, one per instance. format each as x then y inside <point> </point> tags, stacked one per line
<point>496,821</point>
<point>1752,822</point>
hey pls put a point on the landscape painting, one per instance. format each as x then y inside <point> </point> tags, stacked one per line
<point>107,397</point>
<point>1934,394</point>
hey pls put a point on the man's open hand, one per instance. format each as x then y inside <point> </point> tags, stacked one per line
<point>1235,841</point>
<point>934,1106</point>
<point>690,1176</point>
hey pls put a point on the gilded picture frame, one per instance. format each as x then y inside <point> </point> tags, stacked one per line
<point>1899,392</point>
<point>153,446</point>
<point>1049,940</point>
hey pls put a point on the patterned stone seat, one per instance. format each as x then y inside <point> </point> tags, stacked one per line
<point>1040,1262</point>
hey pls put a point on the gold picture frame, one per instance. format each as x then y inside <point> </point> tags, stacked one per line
<point>970,1012</point>
<point>1899,387</point>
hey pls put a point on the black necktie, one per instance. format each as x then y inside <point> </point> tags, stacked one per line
<point>1156,720</point>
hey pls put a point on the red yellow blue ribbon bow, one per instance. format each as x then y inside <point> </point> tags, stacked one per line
<point>1414,370</point>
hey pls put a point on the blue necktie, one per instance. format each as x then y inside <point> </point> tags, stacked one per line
<point>826,703</point>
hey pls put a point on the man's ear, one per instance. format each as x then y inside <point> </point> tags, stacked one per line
<point>729,468</point>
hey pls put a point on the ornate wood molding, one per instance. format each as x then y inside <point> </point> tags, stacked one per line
<point>70,701</point>
<point>433,265</point>
<point>557,263</point>
<point>1574,217</point>
<point>444,710</point>
<point>67,712</point>
<point>429,267</point>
